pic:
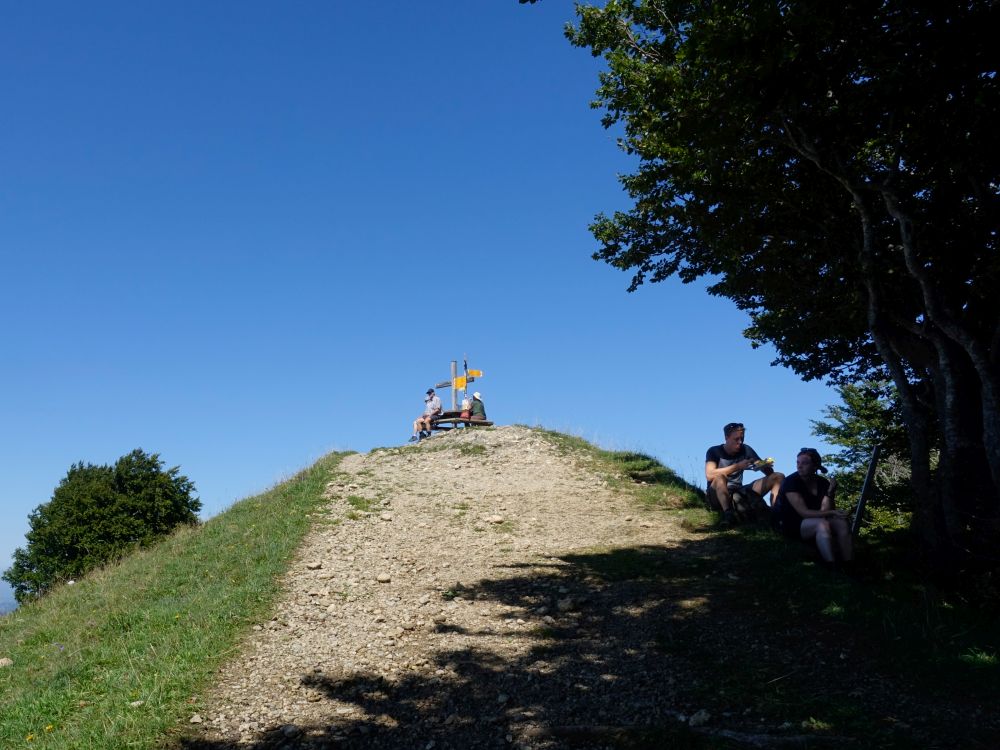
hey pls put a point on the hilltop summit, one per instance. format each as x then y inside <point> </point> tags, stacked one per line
<point>420,616</point>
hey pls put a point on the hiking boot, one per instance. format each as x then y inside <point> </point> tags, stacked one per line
<point>414,439</point>
<point>728,518</point>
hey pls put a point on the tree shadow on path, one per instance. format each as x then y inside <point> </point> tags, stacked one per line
<point>649,647</point>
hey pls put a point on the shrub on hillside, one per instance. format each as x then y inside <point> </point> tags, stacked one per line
<point>97,514</point>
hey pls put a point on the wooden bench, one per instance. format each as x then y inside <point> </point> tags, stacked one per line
<point>452,419</point>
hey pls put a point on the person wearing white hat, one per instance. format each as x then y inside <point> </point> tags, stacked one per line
<point>478,409</point>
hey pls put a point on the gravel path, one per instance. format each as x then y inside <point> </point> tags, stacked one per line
<point>444,601</point>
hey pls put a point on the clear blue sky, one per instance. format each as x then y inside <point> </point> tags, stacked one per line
<point>242,234</point>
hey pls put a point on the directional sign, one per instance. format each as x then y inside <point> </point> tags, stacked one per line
<point>444,384</point>
<point>460,382</point>
<point>476,373</point>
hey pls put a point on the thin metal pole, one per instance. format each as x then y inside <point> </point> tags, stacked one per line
<point>454,374</point>
<point>866,490</point>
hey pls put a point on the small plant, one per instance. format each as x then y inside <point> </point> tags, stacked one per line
<point>472,450</point>
<point>979,658</point>
<point>359,503</point>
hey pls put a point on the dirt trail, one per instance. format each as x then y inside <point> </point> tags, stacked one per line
<point>451,607</point>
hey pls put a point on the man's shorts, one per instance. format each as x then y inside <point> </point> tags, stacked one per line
<point>747,490</point>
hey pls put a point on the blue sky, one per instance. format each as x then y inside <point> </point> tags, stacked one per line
<point>242,234</point>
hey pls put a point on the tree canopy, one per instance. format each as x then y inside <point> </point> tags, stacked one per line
<point>833,167</point>
<point>97,514</point>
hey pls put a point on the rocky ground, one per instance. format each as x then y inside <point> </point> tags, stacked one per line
<point>447,607</point>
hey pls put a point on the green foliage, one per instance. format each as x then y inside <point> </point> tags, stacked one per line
<point>98,514</point>
<point>869,415</point>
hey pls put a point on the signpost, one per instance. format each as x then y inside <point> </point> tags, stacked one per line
<point>459,382</point>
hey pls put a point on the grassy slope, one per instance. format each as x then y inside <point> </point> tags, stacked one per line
<point>151,629</point>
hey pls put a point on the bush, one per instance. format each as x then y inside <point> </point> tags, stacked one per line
<point>98,514</point>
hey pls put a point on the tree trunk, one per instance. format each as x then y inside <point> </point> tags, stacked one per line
<point>927,520</point>
<point>976,350</point>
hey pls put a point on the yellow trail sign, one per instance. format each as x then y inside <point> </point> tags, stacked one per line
<point>476,373</point>
<point>459,382</point>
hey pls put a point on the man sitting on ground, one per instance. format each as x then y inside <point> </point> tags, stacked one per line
<point>724,467</point>
<point>423,424</point>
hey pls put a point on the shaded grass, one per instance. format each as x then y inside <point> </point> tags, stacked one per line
<point>760,626</point>
<point>118,660</point>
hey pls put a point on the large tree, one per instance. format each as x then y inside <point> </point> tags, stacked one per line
<point>834,168</point>
<point>98,514</point>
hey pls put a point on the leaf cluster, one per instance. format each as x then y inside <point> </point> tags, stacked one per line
<point>97,514</point>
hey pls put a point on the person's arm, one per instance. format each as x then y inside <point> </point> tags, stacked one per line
<point>799,504</point>
<point>712,469</point>
<point>829,499</point>
<point>758,463</point>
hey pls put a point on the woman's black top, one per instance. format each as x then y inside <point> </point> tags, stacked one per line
<point>783,515</point>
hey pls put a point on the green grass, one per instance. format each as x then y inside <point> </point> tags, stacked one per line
<point>472,450</point>
<point>119,659</point>
<point>649,481</point>
<point>362,504</point>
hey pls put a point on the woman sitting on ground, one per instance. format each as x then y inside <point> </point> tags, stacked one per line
<point>805,509</point>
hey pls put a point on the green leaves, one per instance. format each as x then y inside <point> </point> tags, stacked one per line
<point>98,514</point>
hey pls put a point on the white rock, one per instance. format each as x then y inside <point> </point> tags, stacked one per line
<point>315,565</point>
<point>196,719</point>
<point>383,578</point>
<point>6,662</point>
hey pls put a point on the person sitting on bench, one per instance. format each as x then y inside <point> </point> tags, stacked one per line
<point>423,424</point>
<point>806,509</point>
<point>478,410</point>
<point>724,466</point>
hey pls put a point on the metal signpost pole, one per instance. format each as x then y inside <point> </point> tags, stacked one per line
<point>454,374</point>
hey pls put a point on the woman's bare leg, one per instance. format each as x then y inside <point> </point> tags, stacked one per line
<point>845,543</point>
<point>819,529</point>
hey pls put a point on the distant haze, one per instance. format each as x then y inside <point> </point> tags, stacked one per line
<point>7,602</point>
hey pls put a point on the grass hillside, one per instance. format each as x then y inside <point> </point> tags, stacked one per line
<point>117,660</point>
<point>746,626</point>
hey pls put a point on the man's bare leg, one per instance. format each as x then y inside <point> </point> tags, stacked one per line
<point>721,489</point>
<point>771,483</point>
